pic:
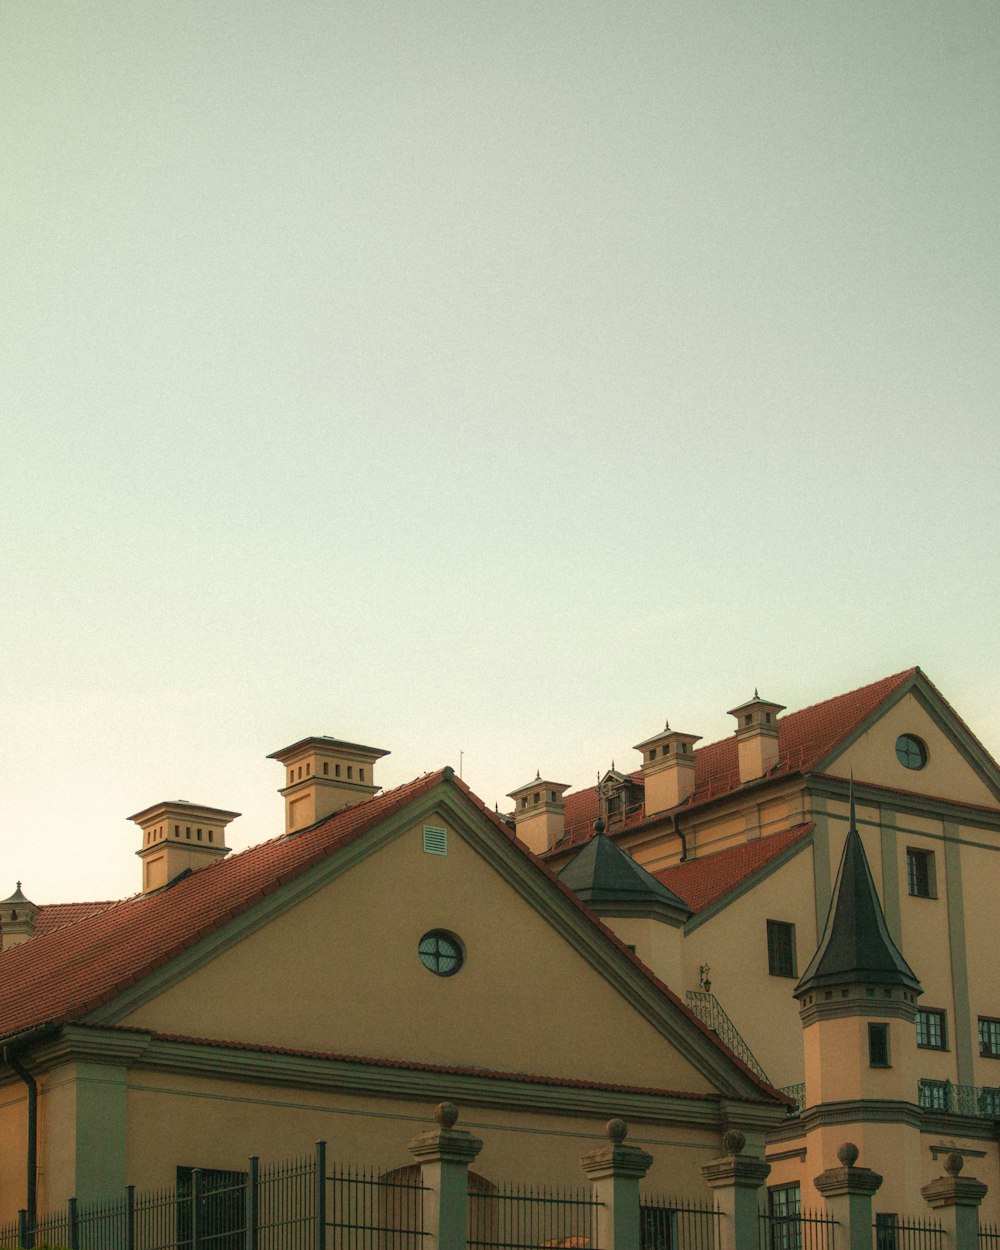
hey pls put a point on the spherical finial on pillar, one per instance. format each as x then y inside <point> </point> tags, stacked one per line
<point>848,1154</point>
<point>733,1141</point>
<point>446,1114</point>
<point>617,1131</point>
<point>953,1163</point>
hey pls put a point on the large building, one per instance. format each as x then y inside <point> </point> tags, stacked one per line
<point>748,835</point>
<point>675,945</point>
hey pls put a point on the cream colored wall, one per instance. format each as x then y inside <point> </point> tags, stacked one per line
<point>657,944</point>
<point>218,1124</point>
<point>980,874</point>
<point>13,1136</point>
<point>340,972</point>
<point>873,758</point>
<point>734,944</point>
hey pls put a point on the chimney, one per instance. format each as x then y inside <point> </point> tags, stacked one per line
<point>667,769</point>
<point>17,920</point>
<point>324,775</point>
<point>179,836</point>
<point>756,736</point>
<point>539,813</point>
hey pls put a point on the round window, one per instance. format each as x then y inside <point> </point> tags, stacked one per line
<point>910,751</point>
<point>441,953</point>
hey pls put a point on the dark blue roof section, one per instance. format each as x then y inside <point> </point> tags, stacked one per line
<point>602,874</point>
<point>856,945</point>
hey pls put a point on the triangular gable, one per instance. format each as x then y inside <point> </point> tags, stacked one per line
<point>957,765</point>
<point>328,876</point>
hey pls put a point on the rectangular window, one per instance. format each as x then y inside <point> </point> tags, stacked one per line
<point>878,1046</point>
<point>222,1208</point>
<point>920,873</point>
<point>886,1231</point>
<point>989,1037</point>
<point>780,948</point>
<point>933,1095</point>
<point>657,1228</point>
<point>931,1032</point>
<point>784,1209</point>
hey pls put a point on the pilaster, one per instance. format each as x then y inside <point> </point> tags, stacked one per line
<point>735,1179</point>
<point>848,1191</point>
<point>444,1155</point>
<point>615,1172</point>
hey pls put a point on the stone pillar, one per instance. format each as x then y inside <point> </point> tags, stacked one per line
<point>615,1172</point>
<point>444,1155</point>
<point>735,1179</point>
<point>848,1191</point>
<point>956,1199</point>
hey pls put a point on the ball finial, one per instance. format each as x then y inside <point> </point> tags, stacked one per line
<point>446,1113</point>
<point>953,1163</point>
<point>733,1141</point>
<point>617,1131</point>
<point>848,1154</point>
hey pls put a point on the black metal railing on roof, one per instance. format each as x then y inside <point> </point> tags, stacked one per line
<point>707,1008</point>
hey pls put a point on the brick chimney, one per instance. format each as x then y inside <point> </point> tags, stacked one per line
<point>177,836</point>
<point>324,775</point>
<point>756,736</point>
<point>17,920</point>
<point>539,813</point>
<point>667,769</point>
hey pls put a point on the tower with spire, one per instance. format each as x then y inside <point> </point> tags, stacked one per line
<point>858,1005</point>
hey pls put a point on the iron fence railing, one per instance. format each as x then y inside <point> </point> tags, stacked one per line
<point>798,1092</point>
<point>799,1230</point>
<point>708,1008</point>
<point>989,1237</point>
<point>981,1101</point>
<point>525,1217</point>
<point>668,1223</point>
<point>901,1232</point>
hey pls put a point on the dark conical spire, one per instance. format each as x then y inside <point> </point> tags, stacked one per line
<point>856,945</point>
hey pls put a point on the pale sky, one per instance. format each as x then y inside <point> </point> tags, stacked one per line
<point>486,382</point>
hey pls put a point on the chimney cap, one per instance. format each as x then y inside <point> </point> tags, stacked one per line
<point>539,783</point>
<point>323,742</point>
<point>192,811</point>
<point>764,704</point>
<point>667,735</point>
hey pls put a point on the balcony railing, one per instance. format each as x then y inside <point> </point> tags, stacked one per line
<point>798,1092</point>
<point>982,1101</point>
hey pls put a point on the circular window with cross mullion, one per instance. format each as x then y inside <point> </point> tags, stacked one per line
<point>441,953</point>
<point>910,751</point>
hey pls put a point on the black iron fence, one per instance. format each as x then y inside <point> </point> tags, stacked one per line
<point>901,1232</point>
<point>798,1230</point>
<point>677,1223</point>
<point>989,1237</point>
<point>527,1217</point>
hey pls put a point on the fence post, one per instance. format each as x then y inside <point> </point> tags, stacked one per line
<point>22,1229</point>
<point>848,1191</point>
<point>444,1155</point>
<point>252,1213</point>
<point>735,1179</point>
<point>130,1218</point>
<point>956,1199</point>
<point>196,1179</point>
<point>321,1195</point>
<point>615,1172</point>
<point>74,1225</point>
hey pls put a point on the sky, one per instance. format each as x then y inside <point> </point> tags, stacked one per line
<point>483,382</point>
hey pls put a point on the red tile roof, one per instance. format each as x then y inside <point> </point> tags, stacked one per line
<point>700,882</point>
<point>73,969</point>
<point>804,739</point>
<point>53,916</point>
